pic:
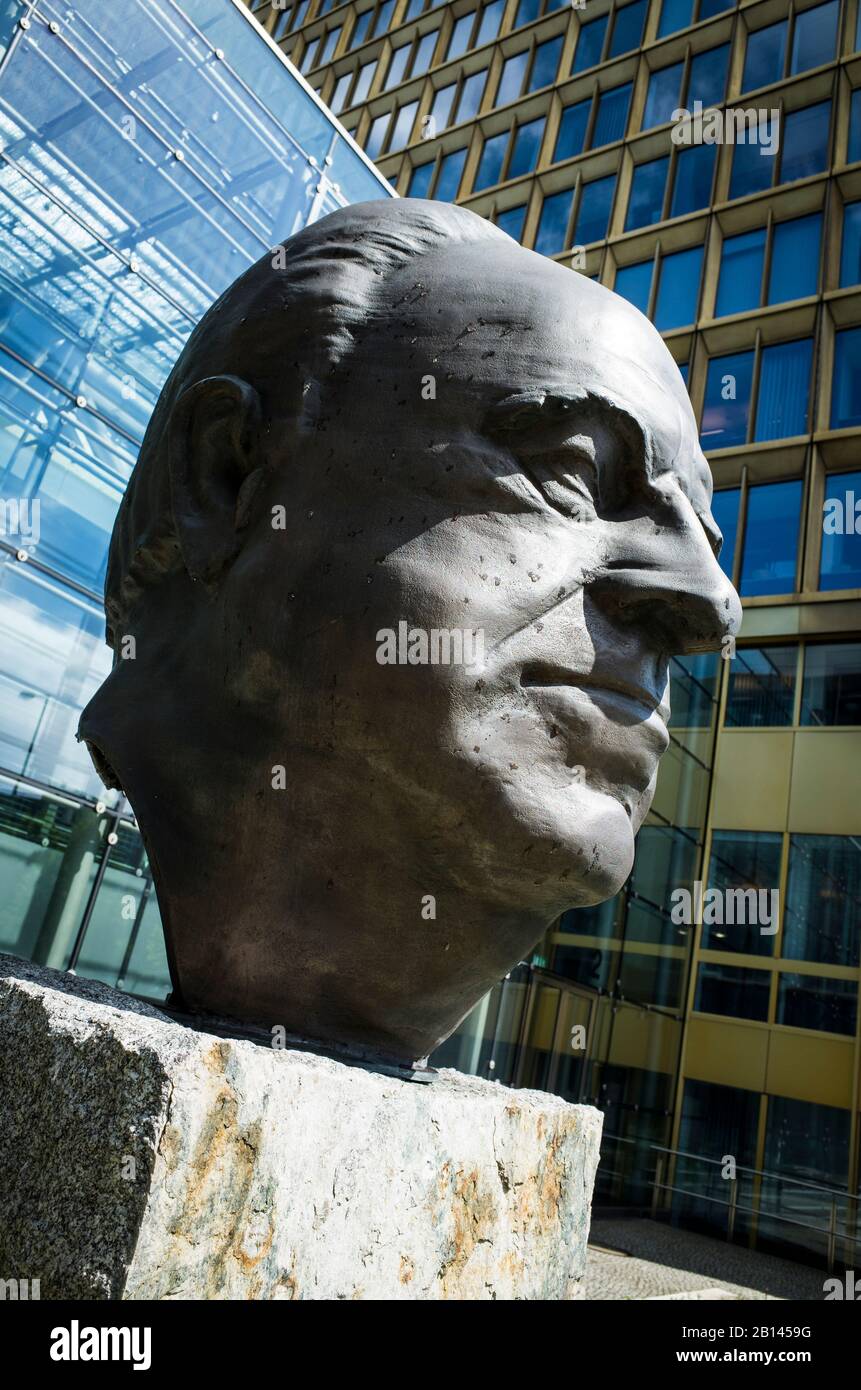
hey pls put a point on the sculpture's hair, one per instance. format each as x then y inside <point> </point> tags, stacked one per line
<point>327,287</point>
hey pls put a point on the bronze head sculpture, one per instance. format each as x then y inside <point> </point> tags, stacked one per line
<point>399,425</point>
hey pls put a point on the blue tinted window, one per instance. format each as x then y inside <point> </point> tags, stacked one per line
<point>490,164</point>
<point>553,223</point>
<point>753,163</point>
<point>360,32</point>
<point>628,28</point>
<point>420,180</point>
<point>846,388</point>
<point>678,289</point>
<point>490,21</point>
<point>593,214</point>
<point>820,919</point>
<point>441,109</point>
<point>413,9</point>
<point>403,125</point>
<point>850,255</point>
<point>815,37</point>
<point>765,57</point>
<point>511,81</point>
<point>805,142</point>
<point>784,390</point>
<point>708,77</point>
<point>589,44</point>
<point>727,400</point>
<point>662,98</point>
<point>853,153</point>
<point>795,259</point>
<point>424,53</point>
<point>840,565</point>
<point>771,539</point>
<point>511,221</point>
<point>809,1001</point>
<point>709,8</point>
<point>725,506</point>
<point>330,44</point>
<point>450,170</point>
<point>572,130</point>
<point>740,282</point>
<point>761,691</point>
<point>527,143</point>
<point>470,97</point>
<point>545,65</point>
<point>634,282</point>
<point>459,41</point>
<point>363,82</point>
<point>733,991</point>
<point>742,859</point>
<point>675,15</point>
<point>646,200</point>
<point>692,188</point>
<point>527,10</point>
<point>612,115</point>
<point>377,134</point>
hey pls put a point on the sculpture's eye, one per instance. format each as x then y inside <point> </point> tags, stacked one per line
<point>568,477</point>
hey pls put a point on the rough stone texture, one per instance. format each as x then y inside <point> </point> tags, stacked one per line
<point>261,1173</point>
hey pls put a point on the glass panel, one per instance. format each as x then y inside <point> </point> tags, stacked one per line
<point>765,57</point>
<point>545,64</point>
<point>330,45</point>
<point>363,82</point>
<point>590,43</point>
<point>805,142</point>
<point>822,916</point>
<point>678,289</point>
<point>784,390</point>
<point>846,385</point>
<point>753,167</point>
<point>795,259</point>
<point>376,137</point>
<point>853,153</point>
<point>646,201</point>
<point>709,8</point>
<point>809,1001</point>
<point>628,28</point>
<point>692,187</point>
<point>553,224</point>
<point>693,690</point>
<point>850,256</point>
<point>612,115</point>
<point>725,504</point>
<point>513,77</point>
<point>527,10</point>
<point>403,126</point>
<point>420,180</point>
<point>424,54</point>
<point>662,98</point>
<point>740,282</point>
<point>490,164</point>
<point>840,564</point>
<point>397,66</point>
<point>593,212</point>
<point>831,692</point>
<point>527,143</point>
<point>511,221</point>
<point>708,77</point>
<point>450,171</point>
<point>384,17</point>
<point>634,282</point>
<point>761,691</point>
<point>460,35</point>
<point>491,19</point>
<point>806,1141</point>
<point>572,130</point>
<point>815,37</point>
<point>727,400</point>
<point>745,869</point>
<point>730,990</point>
<point>471,94</point>
<point>339,95</point>
<point>441,109</point>
<point>675,15</point>
<point>771,538</point>
<point>360,32</point>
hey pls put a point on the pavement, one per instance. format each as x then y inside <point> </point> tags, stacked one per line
<point>641,1259</point>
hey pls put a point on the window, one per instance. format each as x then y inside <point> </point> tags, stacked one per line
<point>403,125</point>
<point>831,689</point>
<point>471,92</point>
<point>492,159</point>
<point>693,690</point>
<point>526,145</point>
<point>806,1141</point>
<point>528,71</point>
<point>741,861</point>
<point>771,55</point>
<point>376,140</point>
<point>646,200</point>
<point>420,180</point>
<point>783,395</point>
<point>397,66</point>
<point>628,23</point>
<point>511,221</point>
<point>678,14</point>
<point>361,29</point>
<point>741,267</point>
<point>440,112</point>
<point>822,916</point>
<point>590,44</point>
<point>558,229</point>
<point>634,283</point>
<point>846,384</point>
<point>611,118</point>
<point>460,35</point>
<point>811,1001</point>
<point>439,177</point>
<point>328,45</point>
<point>571,139</point>
<point>475,28</point>
<point>529,10</point>
<point>815,37</point>
<point>725,505</point>
<point>771,539</point>
<point>339,94</point>
<point>802,149</point>
<point>761,691</point>
<point>853,153</point>
<point>765,57</point>
<point>668,90</point>
<point>508,155</point>
<point>677,278</point>
<point>850,255</point>
<point>545,64</point>
<point>840,562</point>
<point>692,179</point>
<point>513,77</point>
<point>730,990</point>
<point>363,82</point>
<point>412,59</point>
<point>794,265</point>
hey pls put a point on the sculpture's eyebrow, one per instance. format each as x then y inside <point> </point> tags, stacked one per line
<point>522,406</point>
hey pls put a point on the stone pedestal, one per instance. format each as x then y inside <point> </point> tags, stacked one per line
<point>140,1159</point>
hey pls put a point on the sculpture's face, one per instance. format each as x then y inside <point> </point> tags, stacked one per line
<point>458,480</point>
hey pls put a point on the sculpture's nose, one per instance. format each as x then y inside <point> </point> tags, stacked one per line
<point>668,582</point>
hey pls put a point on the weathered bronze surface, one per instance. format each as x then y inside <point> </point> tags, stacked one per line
<point>399,439</point>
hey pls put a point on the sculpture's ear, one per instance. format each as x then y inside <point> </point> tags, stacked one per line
<point>214,449</point>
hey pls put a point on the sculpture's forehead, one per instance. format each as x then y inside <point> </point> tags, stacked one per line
<point>502,318</point>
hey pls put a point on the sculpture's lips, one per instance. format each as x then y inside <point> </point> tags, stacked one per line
<point>626,704</point>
